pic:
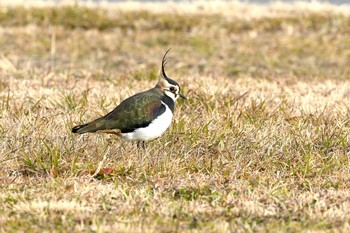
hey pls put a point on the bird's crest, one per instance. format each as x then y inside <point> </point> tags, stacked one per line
<point>164,62</point>
<point>165,80</point>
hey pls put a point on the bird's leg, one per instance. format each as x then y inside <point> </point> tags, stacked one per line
<point>146,154</point>
<point>141,144</point>
<point>140,154</point>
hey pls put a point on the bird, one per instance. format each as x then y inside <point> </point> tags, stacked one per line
<point>142,117</point>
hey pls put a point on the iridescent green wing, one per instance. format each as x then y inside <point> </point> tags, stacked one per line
<point>135,112</point>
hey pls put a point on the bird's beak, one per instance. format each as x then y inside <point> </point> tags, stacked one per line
<point>183,97</point>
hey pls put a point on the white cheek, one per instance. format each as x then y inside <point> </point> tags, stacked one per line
<point>171,95</point>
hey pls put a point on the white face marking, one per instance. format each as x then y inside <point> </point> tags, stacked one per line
<point>172,91</point>
<point>153,130</point>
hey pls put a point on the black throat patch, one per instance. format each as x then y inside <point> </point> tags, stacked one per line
<point>169,102</point>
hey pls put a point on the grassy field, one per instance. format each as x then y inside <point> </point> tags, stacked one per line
<point>261,145</point>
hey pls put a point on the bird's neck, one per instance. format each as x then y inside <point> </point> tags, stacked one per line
<point>169,102</point>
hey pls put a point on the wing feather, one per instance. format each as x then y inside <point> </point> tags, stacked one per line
<point>134,112</point>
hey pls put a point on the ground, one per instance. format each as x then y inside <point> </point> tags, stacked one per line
<point>261,144</point>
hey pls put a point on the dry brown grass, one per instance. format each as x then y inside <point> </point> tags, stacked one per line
<point>275,159</point>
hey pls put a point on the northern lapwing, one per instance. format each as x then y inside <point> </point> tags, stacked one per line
<point>141,117</point>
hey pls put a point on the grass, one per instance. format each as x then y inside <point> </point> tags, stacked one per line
<point>262,143</point>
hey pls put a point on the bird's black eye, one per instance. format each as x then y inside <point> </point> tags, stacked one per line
<point>172,89</point>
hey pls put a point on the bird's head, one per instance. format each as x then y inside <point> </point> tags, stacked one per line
<point>170,87</point>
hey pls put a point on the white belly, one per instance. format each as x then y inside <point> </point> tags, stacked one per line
<point>153,130</point>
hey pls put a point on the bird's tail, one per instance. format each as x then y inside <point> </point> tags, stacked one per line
<point>91,127</point>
